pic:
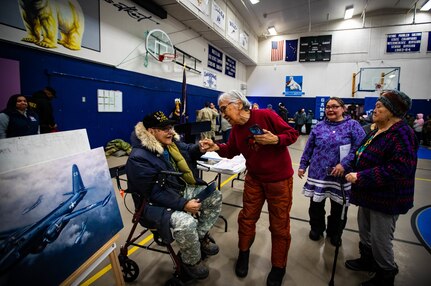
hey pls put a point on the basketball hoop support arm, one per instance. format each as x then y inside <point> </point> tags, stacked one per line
<point>195,60</point>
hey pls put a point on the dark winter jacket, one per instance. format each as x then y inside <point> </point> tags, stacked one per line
<point>386,171</point>
<point>21,125</point>
<point>41,104</point>
<point>162,193</point>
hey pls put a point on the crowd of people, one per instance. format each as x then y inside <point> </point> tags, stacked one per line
<point>348,164</point>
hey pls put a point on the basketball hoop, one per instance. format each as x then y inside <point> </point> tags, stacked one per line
<point>378,87</point>
<point>167,57</point>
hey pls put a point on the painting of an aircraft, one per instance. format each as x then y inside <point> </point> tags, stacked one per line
<point>16,244</point>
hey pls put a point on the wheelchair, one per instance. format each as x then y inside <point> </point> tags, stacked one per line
<point>129,267</point>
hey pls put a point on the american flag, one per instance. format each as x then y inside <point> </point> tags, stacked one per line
<point>183,118</point>
<point>277,50</point>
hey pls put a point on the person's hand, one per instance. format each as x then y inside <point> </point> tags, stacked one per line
<point>207,145</point>
<point>193,206</point>
<point>301,173</point>
<point>352,177</point>
<point>267,138</point>
<point>338,171</point>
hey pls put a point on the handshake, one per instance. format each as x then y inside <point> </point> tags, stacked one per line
<point>207,145</point>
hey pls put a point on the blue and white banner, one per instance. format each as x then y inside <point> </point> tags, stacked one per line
<point>230,67</point>
<point>291,50</point>
<point>243,40</point>
<point>232,30</point>
<point>215,59</point>
<point>404,42</point>
<point>219,16</point>
<point>429,42</point>
<point>293,86</point>
<point>210,80</point>
<point>320,107</point>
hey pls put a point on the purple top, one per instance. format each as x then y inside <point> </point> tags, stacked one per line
<point>323,150</point>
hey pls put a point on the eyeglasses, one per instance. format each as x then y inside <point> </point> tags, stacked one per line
<point>224,107</point>
<point>166,129</point>
<point>333,107</point>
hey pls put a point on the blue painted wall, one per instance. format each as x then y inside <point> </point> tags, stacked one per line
<point>73,79</point>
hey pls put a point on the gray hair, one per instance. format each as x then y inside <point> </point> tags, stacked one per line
<point>234,96</point>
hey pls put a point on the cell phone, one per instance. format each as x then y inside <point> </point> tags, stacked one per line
<point>256,130</point>
<point>329,170</point>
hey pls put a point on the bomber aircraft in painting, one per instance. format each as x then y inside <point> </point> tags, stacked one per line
<point>16,244</point>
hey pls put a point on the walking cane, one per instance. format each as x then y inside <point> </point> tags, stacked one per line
<point>340,231</point>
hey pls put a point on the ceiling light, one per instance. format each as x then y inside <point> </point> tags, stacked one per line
<point>426,6</point>
<point>349,12</point>
<point>272,31</point>
<point>254,1</point>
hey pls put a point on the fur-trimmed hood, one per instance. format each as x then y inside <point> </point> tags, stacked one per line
<point>148,140</point>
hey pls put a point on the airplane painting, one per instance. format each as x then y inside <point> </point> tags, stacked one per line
<point>66,225</point>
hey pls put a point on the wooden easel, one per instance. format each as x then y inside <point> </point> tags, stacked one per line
<point>95,260</point>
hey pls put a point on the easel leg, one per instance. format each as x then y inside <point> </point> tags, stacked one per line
<point>116,270</point>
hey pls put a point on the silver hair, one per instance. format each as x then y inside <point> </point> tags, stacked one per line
<point>234,96</point>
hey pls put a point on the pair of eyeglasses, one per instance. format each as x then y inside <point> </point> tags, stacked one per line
<point>333,107</point>
<point>224,107</point>
<point>166,129</point>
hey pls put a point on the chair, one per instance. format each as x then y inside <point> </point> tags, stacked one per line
<point>129,267</point>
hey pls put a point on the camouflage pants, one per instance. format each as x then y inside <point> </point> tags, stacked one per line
<point>187,230</point>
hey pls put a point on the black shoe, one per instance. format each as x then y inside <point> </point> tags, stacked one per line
<point>208,246</point>
<point>382,278</point>
<point>361,264</point>
<point>314,235</point>
<point>275,277</point>
<point>197,271</point>
<point>241,267</point>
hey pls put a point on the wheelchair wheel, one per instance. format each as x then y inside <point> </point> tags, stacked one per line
<point>130,269</point>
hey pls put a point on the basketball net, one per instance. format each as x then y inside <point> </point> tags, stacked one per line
<point>166,57</point>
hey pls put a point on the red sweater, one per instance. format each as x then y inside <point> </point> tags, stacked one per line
<point>268,163</point>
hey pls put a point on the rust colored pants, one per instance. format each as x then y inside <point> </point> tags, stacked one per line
<point>279,199</point>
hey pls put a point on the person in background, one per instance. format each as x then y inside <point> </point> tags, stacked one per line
<point>426,131</point>
<point>40,102</point>
<point>255,106</point>
<point>208,113</point>
<point>16,120</point>
<point>300,119</point>
<point>225,128</point>
<point>171,200</point>
<point>418,125</point>
<point>269,107</point>
<point>328,154</point>
<point>383,186</point>
<point>175,115</point>
<point>309,121</point>
<point>269,177</point>
<point>283,112</point>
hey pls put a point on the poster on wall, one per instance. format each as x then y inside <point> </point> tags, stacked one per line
<point>315,49</point>
<point>403,42</point>
<point>218,16</point>
<point>215,59</point>
<point>80,14</point>
<point>293,86</point>
<point>320,107</point>
<point>243,40</point>
<point>59,214</point>
<point>291,50</point>
<point>230,67</point>
<point>429,42</point>
<point>202,5</point>
<point>210,79</point>
<point>232,30</point>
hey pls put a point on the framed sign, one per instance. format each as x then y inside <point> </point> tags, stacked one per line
<point>215,59</point>
<point>315,49</point>
<point>404,42</point>
<point>230,67</point>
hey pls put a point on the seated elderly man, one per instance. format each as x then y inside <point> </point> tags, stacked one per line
<point>161,173</point>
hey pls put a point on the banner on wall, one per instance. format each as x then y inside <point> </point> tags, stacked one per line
<point>293,86</point>
<point>320,107</point>
<point>215,59</point>
<point>218,16</point>
<point>243,40</point>
<point>202,5</point>
<point>210,79</point>
<point>404,42</point>
<point>429,42</point>
<point>291,50</point>
<point>230,67</point>
<point>232,30</point>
